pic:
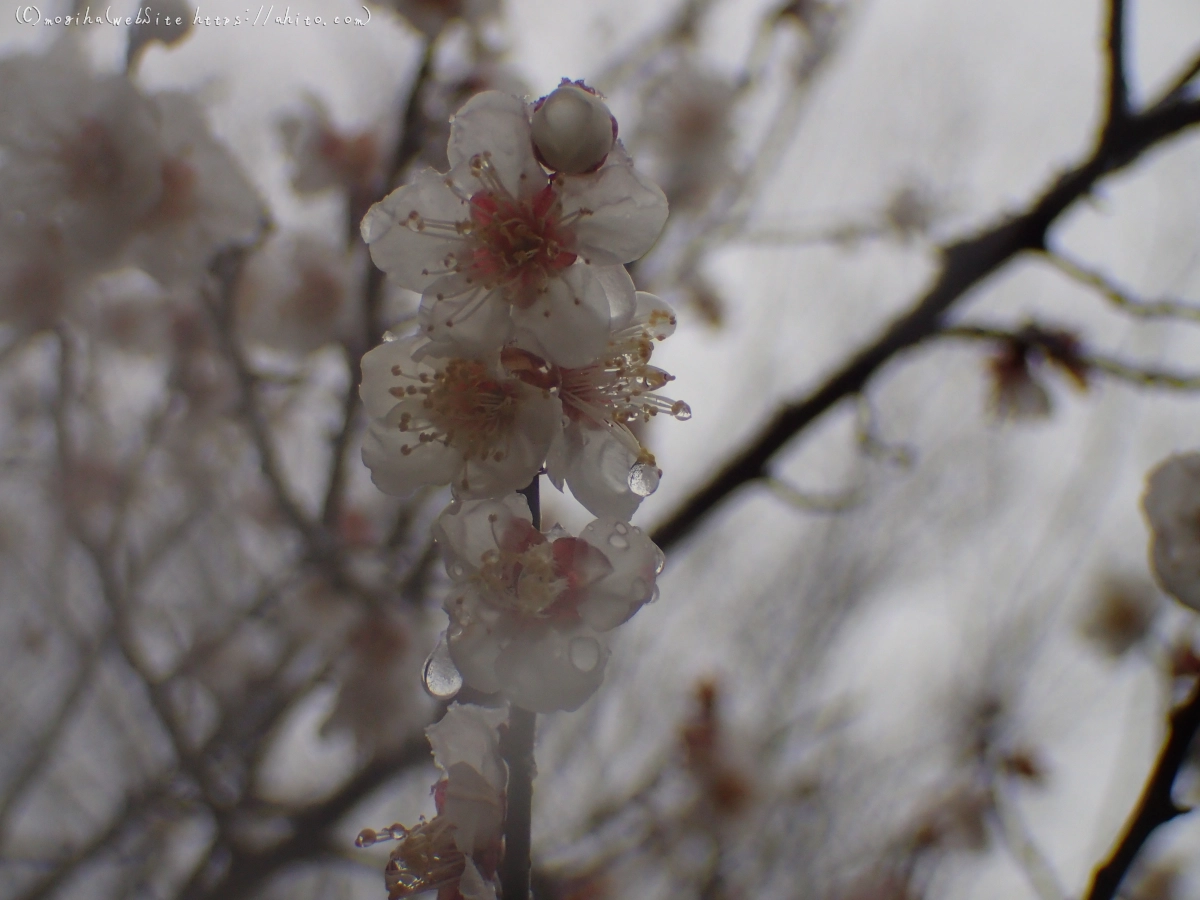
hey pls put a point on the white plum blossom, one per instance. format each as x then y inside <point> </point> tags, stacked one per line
<point>457,420</point>
<point>498,248</point>
<point>206,204</point>
<point>294,294</point>
<point>80,169</point>
<point>599,457</point>
<point>1172,506</point>
<point>460,848</point>
<point>528,610</point>
<point>324,156</point>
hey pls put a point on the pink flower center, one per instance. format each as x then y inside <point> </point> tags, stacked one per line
<point>464,406</point>
<point>519,244</point>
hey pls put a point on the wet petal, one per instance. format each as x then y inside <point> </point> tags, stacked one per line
<point>627,212</point>
<point>410,231</point>
<point>598,472</point>
<point>552,670</point>
<point>497,124</point>
<point>399,473</point>
<point>569,319</point>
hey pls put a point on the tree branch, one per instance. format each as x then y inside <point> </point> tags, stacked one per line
<point>965,264</point>
<point>1117,113</point>
<point>1156,806</point>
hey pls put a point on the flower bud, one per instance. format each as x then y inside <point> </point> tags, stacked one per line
<point>573,131</point>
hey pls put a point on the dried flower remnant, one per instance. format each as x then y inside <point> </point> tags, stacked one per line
<point>496,247</point>
<point>528,610</point>
<point>459,849</point>
<point>1017,389</point>
<point>1172,507</point>
<point>462,421</point>
<point>1119,615</point>
<point>724,787</point>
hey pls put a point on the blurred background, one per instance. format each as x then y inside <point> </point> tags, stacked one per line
<point>925,658</point>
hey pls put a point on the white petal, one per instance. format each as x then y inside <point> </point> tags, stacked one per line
<point>470,529</point>
<point>377,377</point>
<point>627,213</point>
<point>538,416</point>
<point>397,473</point>
<point>472,885</point>
<point>469,734</point>
<point>497,124</point>
<point>474,649</point>
<point>598,472</point>
<point>621,293</point>
<point>415,256</point>
<point>655,315</point>
<point>636,562</point>
<point>465,315</point>
<point>553,670</point>
<point>569,319</point>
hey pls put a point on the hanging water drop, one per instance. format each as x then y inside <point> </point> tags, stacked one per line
<point>442,678</point>
<point>584,653</point>
<point>660,560</point>
<point>644,478</point>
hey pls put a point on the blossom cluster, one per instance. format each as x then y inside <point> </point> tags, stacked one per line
<point>533,355</point>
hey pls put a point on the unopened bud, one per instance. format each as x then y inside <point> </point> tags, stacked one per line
<point>573,131</point>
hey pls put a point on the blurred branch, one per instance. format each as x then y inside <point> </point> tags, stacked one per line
<point>248,870</point>
<point>1156,806</point>
<point>1164,308</point>
<point>966,263</point>
<point>1032,860</point>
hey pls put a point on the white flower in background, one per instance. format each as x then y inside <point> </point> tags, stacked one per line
<point>528,610</point>
<point>430,16</point>
<point>323,156</point>
<point>455,420</point>
<point>206,203</point>
<point>497,247</point>
<point>80,169</point>
<point>1172,505</point>
<point>459,849</point>
<point>294,294</point>
<point>597,454</point>
<point>687,123</point>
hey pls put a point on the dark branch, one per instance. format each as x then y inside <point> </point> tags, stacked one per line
<point>1118,87</point>
<point>1156,806</point>
<point>965,264</point>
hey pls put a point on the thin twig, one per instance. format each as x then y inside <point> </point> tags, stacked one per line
<point>1163,308</point>
<point>1117,112</point>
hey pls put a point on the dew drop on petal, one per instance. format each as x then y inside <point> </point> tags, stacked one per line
<point>660,561</point>
<point>619,542</point>
<point>442,678</point>
<point>388,337</point>
<point>584,653</point>
<point>644,478</point>
<point>621,528</point>
<point>366,838</point>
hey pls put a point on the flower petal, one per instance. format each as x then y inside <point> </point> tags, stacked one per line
<point>626,213</point>
<point>410,230</point>
<point>569,319</point>
<point>552,669</point>
<point>636,563</point>
<point>399,473</point>
<point>378,378</point>
<point>598,472</point>
<point>464,315</point>
<point>496,124</point>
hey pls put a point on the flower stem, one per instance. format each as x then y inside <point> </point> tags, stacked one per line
<point>517,748</point>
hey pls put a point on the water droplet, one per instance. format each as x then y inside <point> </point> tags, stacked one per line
<point>621,528</point>
<point>619,542</point>
<point>442,678</point>
<point>644,478</point>
<point>584,653</point>
<point>659,561</point>
<point>457,571</point>
<point>366,838</point>
<point>681,411</point>
<point>388,337</point>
